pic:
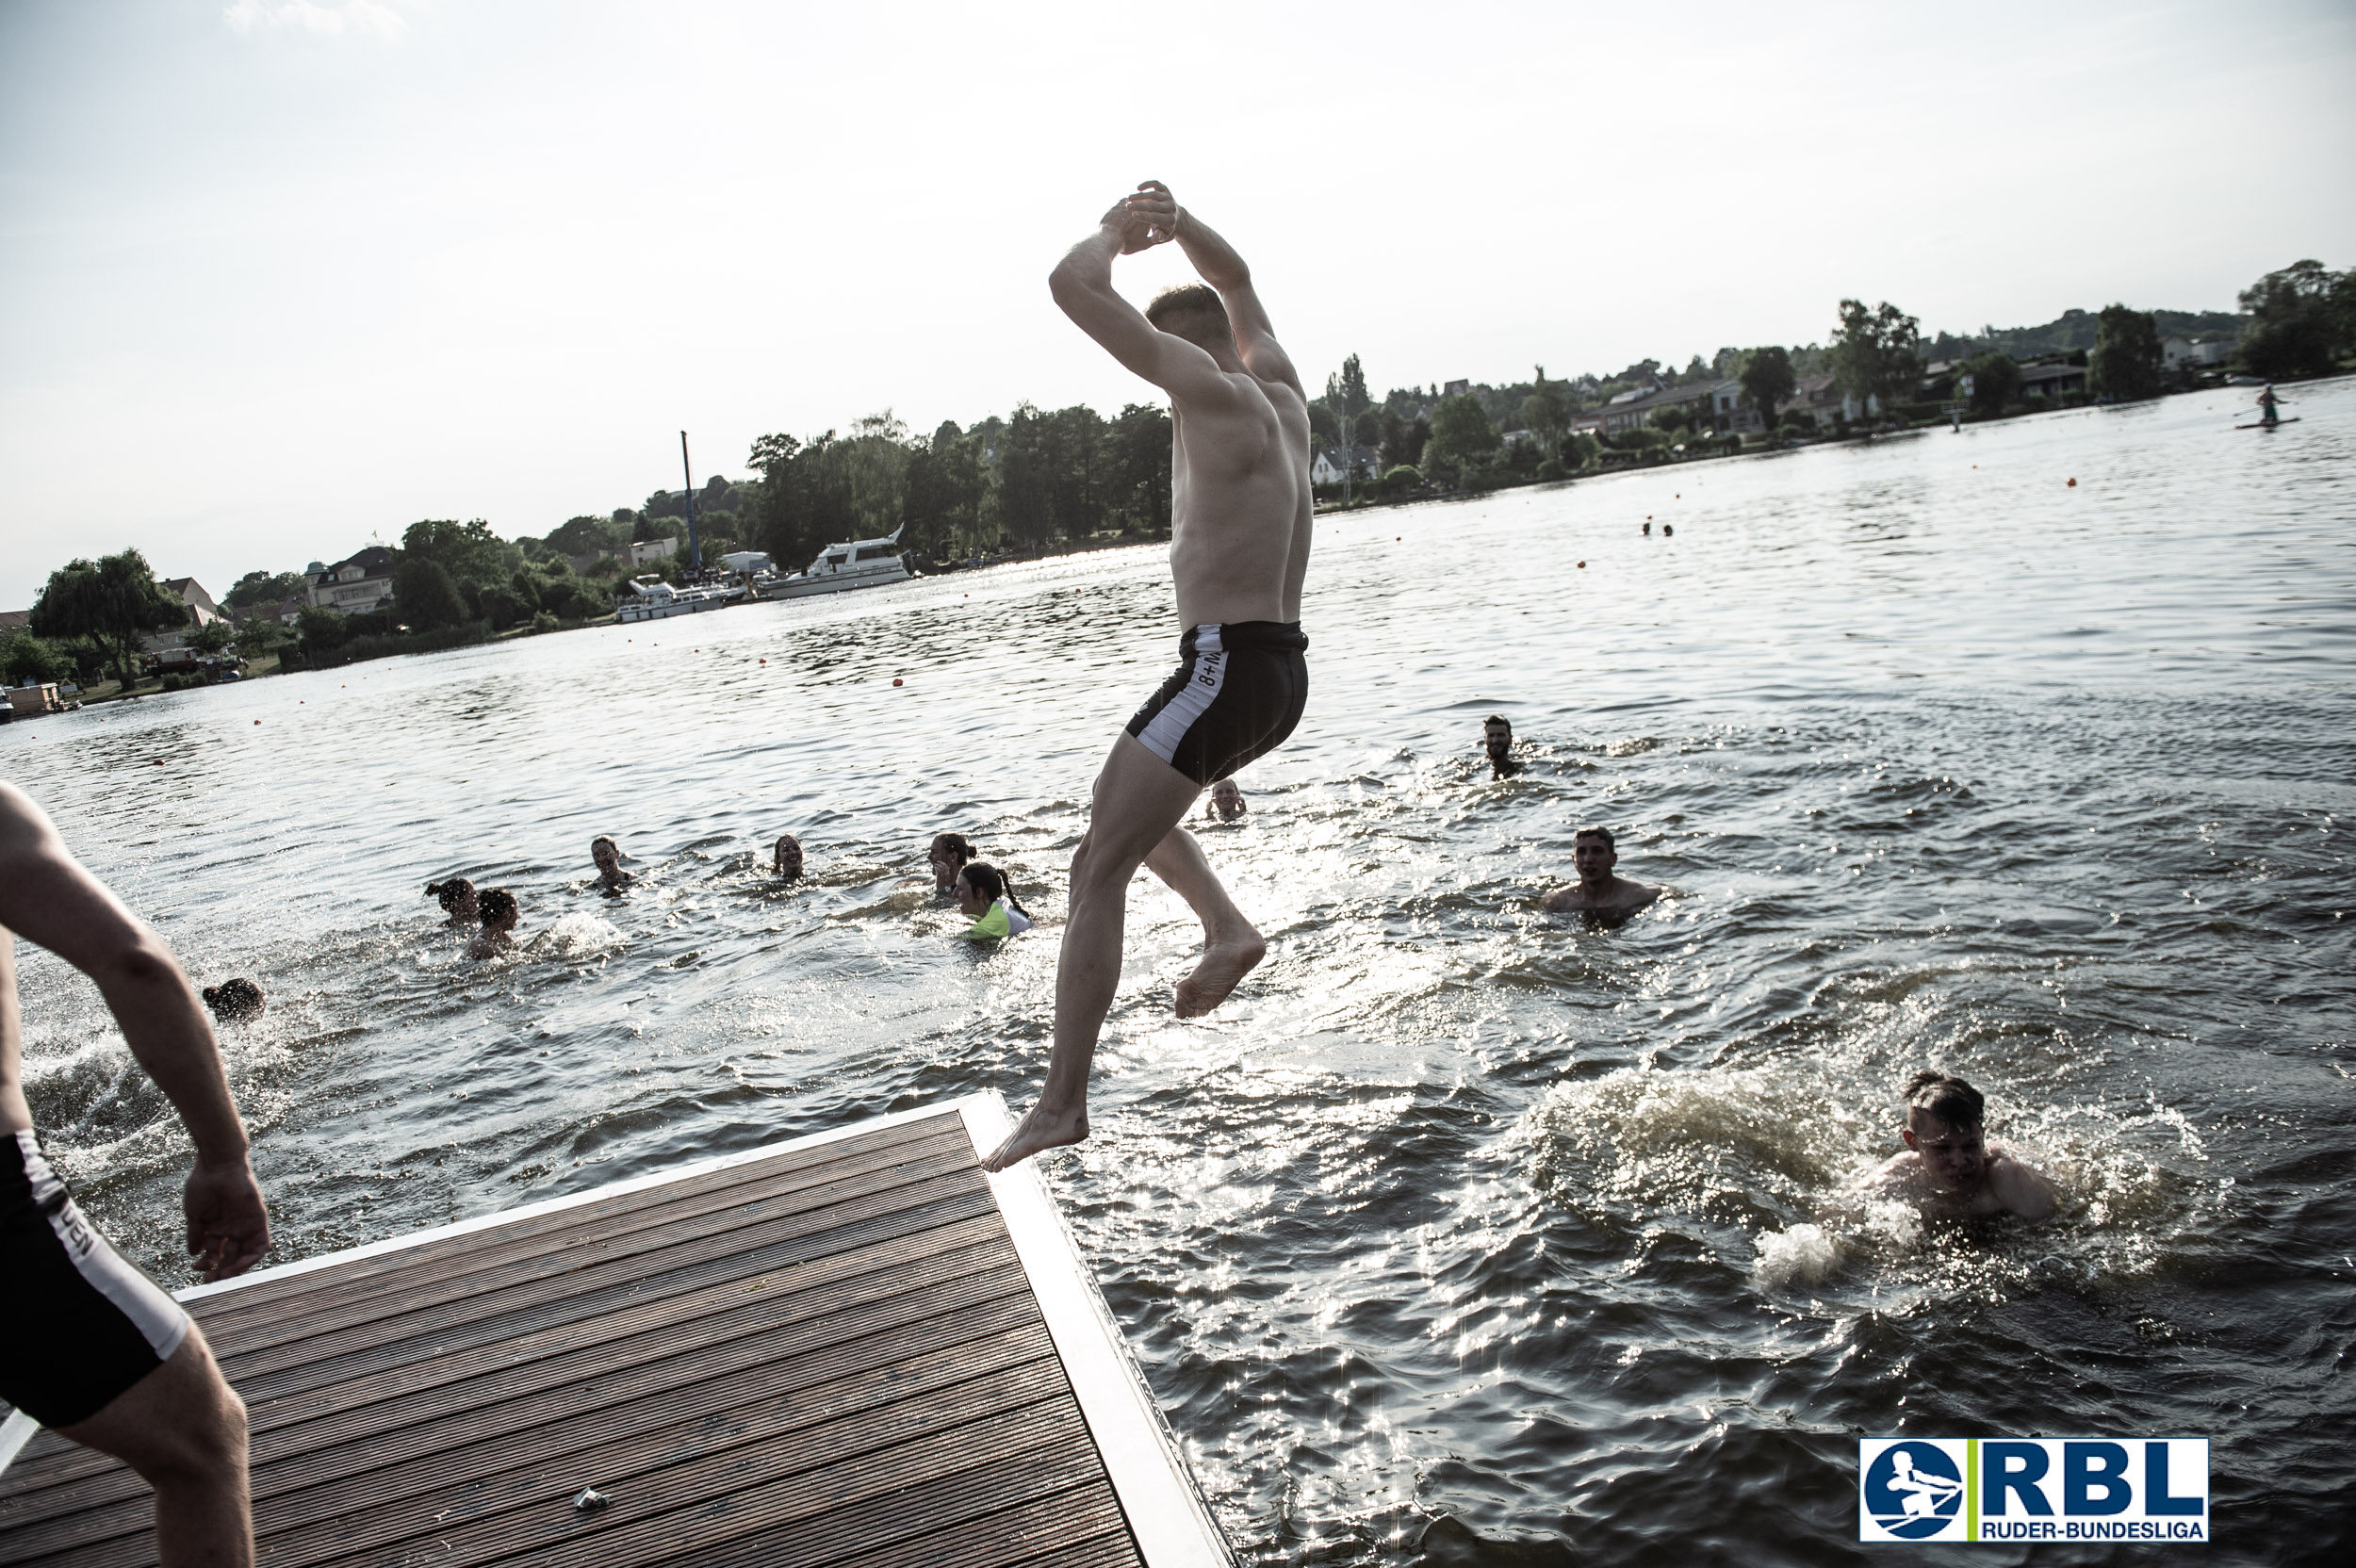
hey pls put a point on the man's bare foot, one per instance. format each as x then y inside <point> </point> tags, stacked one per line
<point>1224,964</point>
<point>1041,1129</point>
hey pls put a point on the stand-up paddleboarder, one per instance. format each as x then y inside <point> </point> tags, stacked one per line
<point>90,1347</point>
<point>1238,549</point>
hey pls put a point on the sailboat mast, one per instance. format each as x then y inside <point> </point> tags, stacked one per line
<point>695,545</point>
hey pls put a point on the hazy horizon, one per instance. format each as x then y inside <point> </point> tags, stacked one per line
<point>282,277</point>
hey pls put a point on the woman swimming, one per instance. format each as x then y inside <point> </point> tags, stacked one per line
<point>948,855</point>
<point>785,860</point>
<point>458,901</point>
<point>234,999</point>
<point>982,891</point>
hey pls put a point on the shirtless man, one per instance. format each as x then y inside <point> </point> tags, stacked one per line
<point>1238,549</point>
<point>1597,891</point>
<point>90,1347</point>
<point>612,879</point>
<point>1950,1169</point>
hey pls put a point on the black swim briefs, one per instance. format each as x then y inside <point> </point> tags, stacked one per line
<point>1239,689</point>
<point>77,1324</point>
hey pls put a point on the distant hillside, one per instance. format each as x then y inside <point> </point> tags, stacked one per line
<point>2075,332</point>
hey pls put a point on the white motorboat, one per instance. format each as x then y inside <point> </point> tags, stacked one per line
<point>858,563</point>
<point>658,600</point>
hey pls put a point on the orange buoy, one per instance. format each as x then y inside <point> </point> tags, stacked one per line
<point>257,720</point>
<point>895,681</point>
<point>1582,565</point>
<point>2073,484</point>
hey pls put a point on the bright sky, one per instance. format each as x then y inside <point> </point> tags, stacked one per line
<point>281,275</point>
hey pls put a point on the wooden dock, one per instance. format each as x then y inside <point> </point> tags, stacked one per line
<point>852,1350</point>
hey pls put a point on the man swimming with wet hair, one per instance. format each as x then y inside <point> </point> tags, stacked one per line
<point>612,879</point>
<point>1497,739</point>
<point>1950,1168</point>
<point>1608,899</point>
<point>1238,550</point>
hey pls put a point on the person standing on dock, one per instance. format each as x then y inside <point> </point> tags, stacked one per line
<point>90,1347</point>
<point>1238,550</point>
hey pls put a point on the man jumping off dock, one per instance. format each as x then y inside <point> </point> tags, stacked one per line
<point>1238,549</point>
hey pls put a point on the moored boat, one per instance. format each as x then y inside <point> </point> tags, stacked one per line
<point>855,563</point>
<point>658,600</point>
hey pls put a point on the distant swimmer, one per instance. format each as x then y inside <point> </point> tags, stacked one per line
<point>458,901</point>
<point>984,893</point>
<point>1950,1169</point>
<point>499,914</point>
<point>1497,739</point>
<point>1238,550</point>
<point>947,856</point>
<point>1226,802</point>
<point>1597,893</point>
<point>612,879</point>
<point>90,1347</point>
<point>235,998</point>
<point>785,858</point>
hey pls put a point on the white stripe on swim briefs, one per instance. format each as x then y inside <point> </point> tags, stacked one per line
<point>157,1317</point>
<point>1169,726</point>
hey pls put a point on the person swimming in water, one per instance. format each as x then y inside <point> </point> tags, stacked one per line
<point>947,856</point>
<point>612,879</point>
<point>1607,899</point>
<point>458,901</point>
<point>1226,802</point>
<point>1950,1169</point>
<point>499,914</point>
<point>1497,739</point>
<point>984,893</point>
<point>233,1000</point>
<point>785,859</point>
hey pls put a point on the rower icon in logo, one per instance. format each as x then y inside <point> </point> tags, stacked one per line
<point>1912,1490</point>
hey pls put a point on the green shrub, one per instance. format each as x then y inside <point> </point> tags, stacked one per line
<point>1551,470</point>
<point>544,622</point>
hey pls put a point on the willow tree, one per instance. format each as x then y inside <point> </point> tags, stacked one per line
<point>115,601</point>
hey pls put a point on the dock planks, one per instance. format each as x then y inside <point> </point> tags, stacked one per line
<point>851,1350</point>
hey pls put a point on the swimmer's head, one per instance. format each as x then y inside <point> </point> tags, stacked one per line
<point>234,999</point>
<point>608,855</point>
<point>499,911</point>
<point>786,858</point>
<point>979,885</point>
<point>1594,854</point>
<point>949,852</point>
<point>1496,735</point>
<point>1227,799</point>
<point>1194,312</point>
<point>458,899</point>
<point>1945,1119</point>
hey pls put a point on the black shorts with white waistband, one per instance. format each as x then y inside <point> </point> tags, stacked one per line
<point>1239,689</point>
<point>78,1325</point>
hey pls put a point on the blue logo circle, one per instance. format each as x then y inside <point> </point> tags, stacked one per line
<point>1912,1490</point>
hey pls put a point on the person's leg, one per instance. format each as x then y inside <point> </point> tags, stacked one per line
<point>1230,946</point>
<point>183,1429</point>
<point>1138,799</point>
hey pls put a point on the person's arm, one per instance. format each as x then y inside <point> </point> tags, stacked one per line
<point>46,897</point>
<point>1563,899</point>
<point>2022,1187</point>
<point>1220,266</point>
<point>1082,283</point>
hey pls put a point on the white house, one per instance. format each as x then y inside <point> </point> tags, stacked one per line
<point>2195,353</point>
<point>643,550</point>
<point>354,585</point>
<point>1332,463</point>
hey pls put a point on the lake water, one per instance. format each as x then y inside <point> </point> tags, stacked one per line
<point>1461,1234</point>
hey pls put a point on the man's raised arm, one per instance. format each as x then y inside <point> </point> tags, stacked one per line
<point>1220,266</point>
<point>46,897</point>
<point>1082,283</point>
